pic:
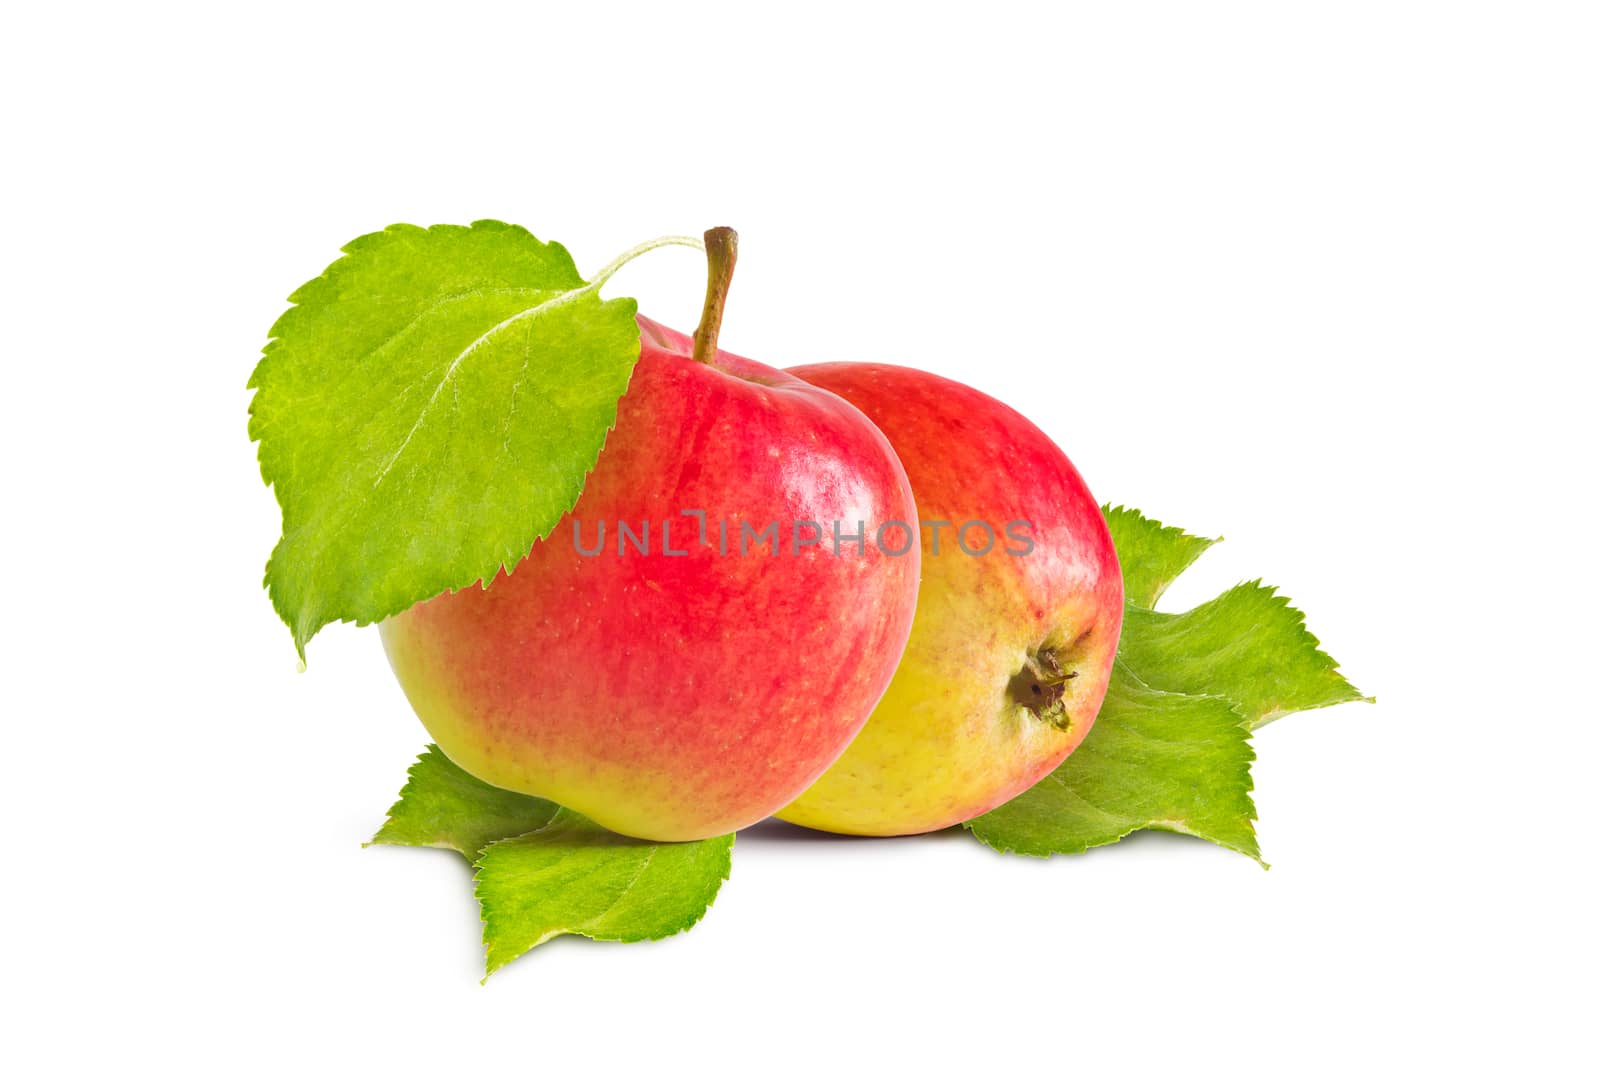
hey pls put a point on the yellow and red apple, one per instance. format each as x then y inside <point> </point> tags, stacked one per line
<point>692,686</point>
<point>1016,625</point>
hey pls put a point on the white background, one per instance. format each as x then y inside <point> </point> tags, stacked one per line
<point>1321,280</point>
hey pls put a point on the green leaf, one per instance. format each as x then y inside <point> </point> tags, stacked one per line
<point>1248,645</point>
<point>571,876</point>
<point>426,410</point>
<point>443,806</point>
<point>1154,760</point>
<point>543,870</point>
<point>1152,555</point>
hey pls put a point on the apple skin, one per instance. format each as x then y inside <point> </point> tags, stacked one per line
<point>680,697</point>
<point>948,741</point>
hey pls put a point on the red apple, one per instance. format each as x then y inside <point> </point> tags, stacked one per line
<point>681,690</point>
<point>1015,629</point>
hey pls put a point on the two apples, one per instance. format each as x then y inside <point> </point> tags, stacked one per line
<point>863,598</point>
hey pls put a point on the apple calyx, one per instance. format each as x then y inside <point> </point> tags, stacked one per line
<point>1041,687</point>
<point>722,252</point>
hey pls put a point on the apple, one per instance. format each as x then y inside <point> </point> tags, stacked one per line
<point>1011,649</point>
<point>685,678</point>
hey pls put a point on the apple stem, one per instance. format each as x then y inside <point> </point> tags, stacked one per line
<point>722,251</point>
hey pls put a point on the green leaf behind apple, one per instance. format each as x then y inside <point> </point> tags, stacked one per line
<point>443,806</point>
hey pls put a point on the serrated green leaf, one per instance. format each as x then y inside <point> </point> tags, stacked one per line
<point>1248,645</point>
<point>1152,555</point>
<point>574,877</point>
<point>542,870</point>
<point>429,408</point>
<point>443,806</point>
<point>1154,760</point>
